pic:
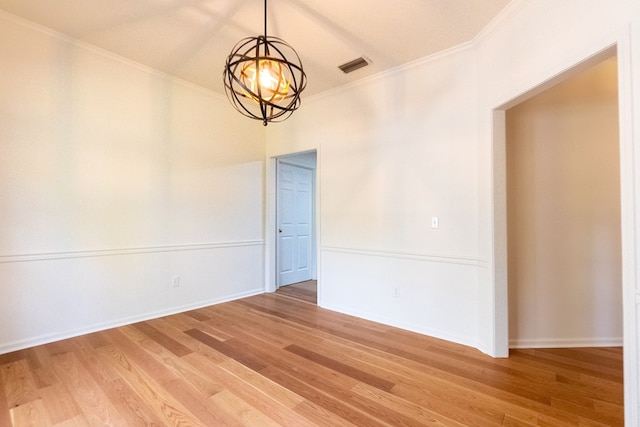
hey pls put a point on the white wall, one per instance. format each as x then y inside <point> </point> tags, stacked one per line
<point>402,147</point>
<point>113,180</point>
<point>393,152</point>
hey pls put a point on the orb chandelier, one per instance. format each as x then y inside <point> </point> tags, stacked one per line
<point>263,77</point>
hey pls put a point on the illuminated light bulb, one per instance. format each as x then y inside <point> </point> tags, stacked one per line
<point>269,83</point>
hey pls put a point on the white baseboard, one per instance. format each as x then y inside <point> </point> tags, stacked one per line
<point>566,342</point>
<point>49,338</point>
<point>419,329</point>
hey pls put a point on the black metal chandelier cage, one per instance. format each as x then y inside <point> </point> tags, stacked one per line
<point>263,77</point>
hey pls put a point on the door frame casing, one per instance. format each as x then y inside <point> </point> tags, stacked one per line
<point>271,239</point>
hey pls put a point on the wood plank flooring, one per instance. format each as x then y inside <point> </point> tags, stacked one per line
<point>273,359</point>
<point>302,291</point>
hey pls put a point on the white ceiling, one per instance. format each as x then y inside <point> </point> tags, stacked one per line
<point>191,39</point>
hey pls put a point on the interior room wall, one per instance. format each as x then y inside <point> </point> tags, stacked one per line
<point>402,147</point>
<point>563,216</point>
<point>393,152</point>
<point>124,194</point>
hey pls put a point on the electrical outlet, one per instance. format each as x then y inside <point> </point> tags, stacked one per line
<point>175,281</point>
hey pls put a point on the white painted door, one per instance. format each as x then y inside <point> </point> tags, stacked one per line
<point>295,223</point>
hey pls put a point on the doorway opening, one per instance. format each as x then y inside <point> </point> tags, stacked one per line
<point>564,249</point>
<point>627,179</point>
<point>500,306</point>
<point>291,223</point>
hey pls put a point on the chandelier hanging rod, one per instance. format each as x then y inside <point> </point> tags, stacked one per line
<point>265,19</point>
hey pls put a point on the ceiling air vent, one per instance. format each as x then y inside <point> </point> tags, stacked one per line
<point>356,64</point>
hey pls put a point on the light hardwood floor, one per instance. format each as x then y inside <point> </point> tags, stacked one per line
<point>304,291</point>
<point>278,359</point>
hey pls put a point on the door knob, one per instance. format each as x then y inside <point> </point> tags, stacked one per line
<point>279,230</point>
